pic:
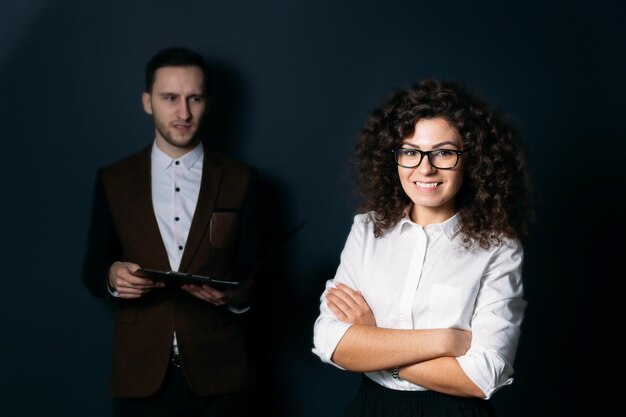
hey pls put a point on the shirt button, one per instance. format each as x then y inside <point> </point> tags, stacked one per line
<point>180,248</point>
<point>176,218</point>
<point>177,189</point>
<point>177,162</point>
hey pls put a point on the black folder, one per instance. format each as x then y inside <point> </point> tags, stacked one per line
<point>175,279</point>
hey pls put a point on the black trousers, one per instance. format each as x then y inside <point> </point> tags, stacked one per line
<point>374,400</point>
<point>175,399</point>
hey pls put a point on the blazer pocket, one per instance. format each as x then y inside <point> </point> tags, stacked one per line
<point>223,229</point>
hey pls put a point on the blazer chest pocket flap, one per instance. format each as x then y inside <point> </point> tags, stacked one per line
<point>224,225</point>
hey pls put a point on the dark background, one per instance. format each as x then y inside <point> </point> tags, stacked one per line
<point>297,80</point>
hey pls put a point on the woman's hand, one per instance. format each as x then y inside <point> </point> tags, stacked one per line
<point>349,306</point>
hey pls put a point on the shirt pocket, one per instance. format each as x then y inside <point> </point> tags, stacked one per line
<point>451,306</point>
<point>223,228</point>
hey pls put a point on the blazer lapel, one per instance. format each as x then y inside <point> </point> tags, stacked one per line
<point>209,186</point>
<point>143,191</point>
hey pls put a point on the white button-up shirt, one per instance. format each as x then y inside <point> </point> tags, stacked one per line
<point>424,278</point>
<point>175,189</point>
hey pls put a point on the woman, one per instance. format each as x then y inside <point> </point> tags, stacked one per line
<point>427,300</point>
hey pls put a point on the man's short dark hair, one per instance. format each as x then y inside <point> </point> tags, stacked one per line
<point>177,57</point>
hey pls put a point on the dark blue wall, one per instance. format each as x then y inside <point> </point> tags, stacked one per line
<point>298,79</point>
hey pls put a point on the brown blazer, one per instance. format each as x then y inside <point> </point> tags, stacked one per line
<point>211,339</point>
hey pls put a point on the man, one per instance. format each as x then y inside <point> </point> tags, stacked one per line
<point>174,206</point>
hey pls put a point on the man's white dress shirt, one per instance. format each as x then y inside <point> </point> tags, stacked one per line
<point>175,189</point>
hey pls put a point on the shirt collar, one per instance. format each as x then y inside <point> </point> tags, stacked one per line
<point>450,227</point>
<point>163,161</point>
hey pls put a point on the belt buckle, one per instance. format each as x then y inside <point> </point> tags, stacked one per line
<point>176,360</point>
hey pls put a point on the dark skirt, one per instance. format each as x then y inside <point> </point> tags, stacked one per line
<point>374,400</point>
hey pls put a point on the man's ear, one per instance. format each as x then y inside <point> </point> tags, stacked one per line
<point>147,105</point>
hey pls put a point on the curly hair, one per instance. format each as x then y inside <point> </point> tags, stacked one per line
<point>492,200</point>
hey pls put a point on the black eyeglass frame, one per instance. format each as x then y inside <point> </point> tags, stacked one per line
<point>427,153</point>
